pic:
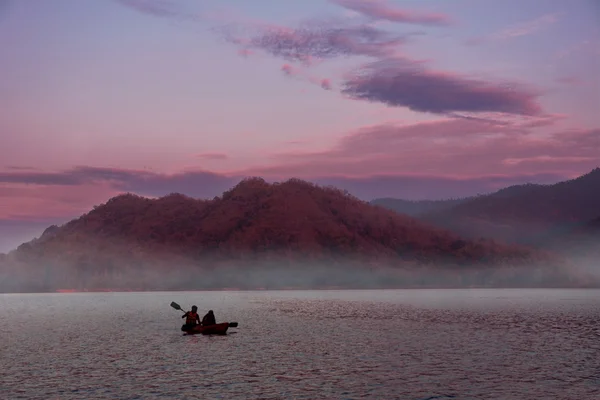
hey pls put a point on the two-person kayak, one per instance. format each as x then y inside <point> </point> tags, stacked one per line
<point>216,329</point>
<point>212,328</point>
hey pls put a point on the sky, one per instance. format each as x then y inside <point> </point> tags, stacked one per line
<point>426,99</point>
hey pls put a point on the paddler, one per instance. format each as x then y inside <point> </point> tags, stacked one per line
<point>191,318</point>
<point>209,319</point>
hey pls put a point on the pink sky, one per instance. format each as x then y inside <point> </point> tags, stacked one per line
<point>407,99</point>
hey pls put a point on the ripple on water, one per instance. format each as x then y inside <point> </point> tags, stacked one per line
<point>367,344</point>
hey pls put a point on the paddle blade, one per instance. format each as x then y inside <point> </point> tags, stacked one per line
<point>233,324</point>
<point>176,306</point>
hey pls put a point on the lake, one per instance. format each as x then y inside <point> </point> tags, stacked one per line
<point>378,344</point>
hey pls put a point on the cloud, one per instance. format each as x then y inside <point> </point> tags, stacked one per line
<point>212,156</point>
<point>196,183</point>
<point>547,159</point>
<point>296,73</point>
<point>522,29</point>
<point>158,8</point>
<point>451,157</point>
<point>404,83</point>
<point>391,78</point>
<point>288,70</point>
<point>19,168</point>
<point>381,10</point>
<point>527,28</point>
<point>451,147</point>
<point>326,84</point>
<point>40,178</point>
<point>314,41</point>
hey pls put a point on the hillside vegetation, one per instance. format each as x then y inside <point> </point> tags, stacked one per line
<point>258,230</point>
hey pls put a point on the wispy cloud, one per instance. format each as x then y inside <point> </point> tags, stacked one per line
<point>402,83</point>
<point>19,168</point>
<point>547,159</point>
<point>159,8</point>
<point>60,203</point>
<point>382,10</point>
<point>527,28</point>
<point>146,182</point>
<point>457,146</point>
<point>296,73</point>
<point>518,30</point>
<point>475,155</point>
<point>212,156</point>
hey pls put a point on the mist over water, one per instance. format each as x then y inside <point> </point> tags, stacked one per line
<point>414,344</point>
<point>248,275</point>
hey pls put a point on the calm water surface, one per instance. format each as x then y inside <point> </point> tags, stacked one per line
<point>392,344</point>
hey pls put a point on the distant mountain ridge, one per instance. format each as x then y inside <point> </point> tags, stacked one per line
<point>524,214</point>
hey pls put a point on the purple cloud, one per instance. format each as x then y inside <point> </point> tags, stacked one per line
<point>40,178</point>
<point>209,185</point>
<point>317,41</point>
<point>402,83</point>
<point>458,147</point>
<point>380,10</point>
<point>197,183</point>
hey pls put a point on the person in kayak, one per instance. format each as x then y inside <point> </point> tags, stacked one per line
<point>191,318</point>
<point>209,319</point>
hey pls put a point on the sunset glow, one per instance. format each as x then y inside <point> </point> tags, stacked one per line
<point>406,99</point>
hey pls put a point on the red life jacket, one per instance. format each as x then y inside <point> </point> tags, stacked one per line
<point>191,318</point>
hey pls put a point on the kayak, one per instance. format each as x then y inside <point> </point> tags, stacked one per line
<point>217,329</point>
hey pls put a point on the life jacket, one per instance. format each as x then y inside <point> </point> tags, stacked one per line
<point>191,318</point>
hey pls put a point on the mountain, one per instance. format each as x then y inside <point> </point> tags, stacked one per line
<point>581,241</point>
<point>525,214</point>
<point>417,207</point>
<point>259,234</point>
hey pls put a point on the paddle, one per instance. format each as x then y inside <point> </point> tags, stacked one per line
<point>176,306</point>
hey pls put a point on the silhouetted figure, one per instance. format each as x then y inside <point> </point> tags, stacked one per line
<point>191,318</point>
<point>209,319</point>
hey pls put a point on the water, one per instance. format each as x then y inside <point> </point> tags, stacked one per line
<point>392,344</point>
